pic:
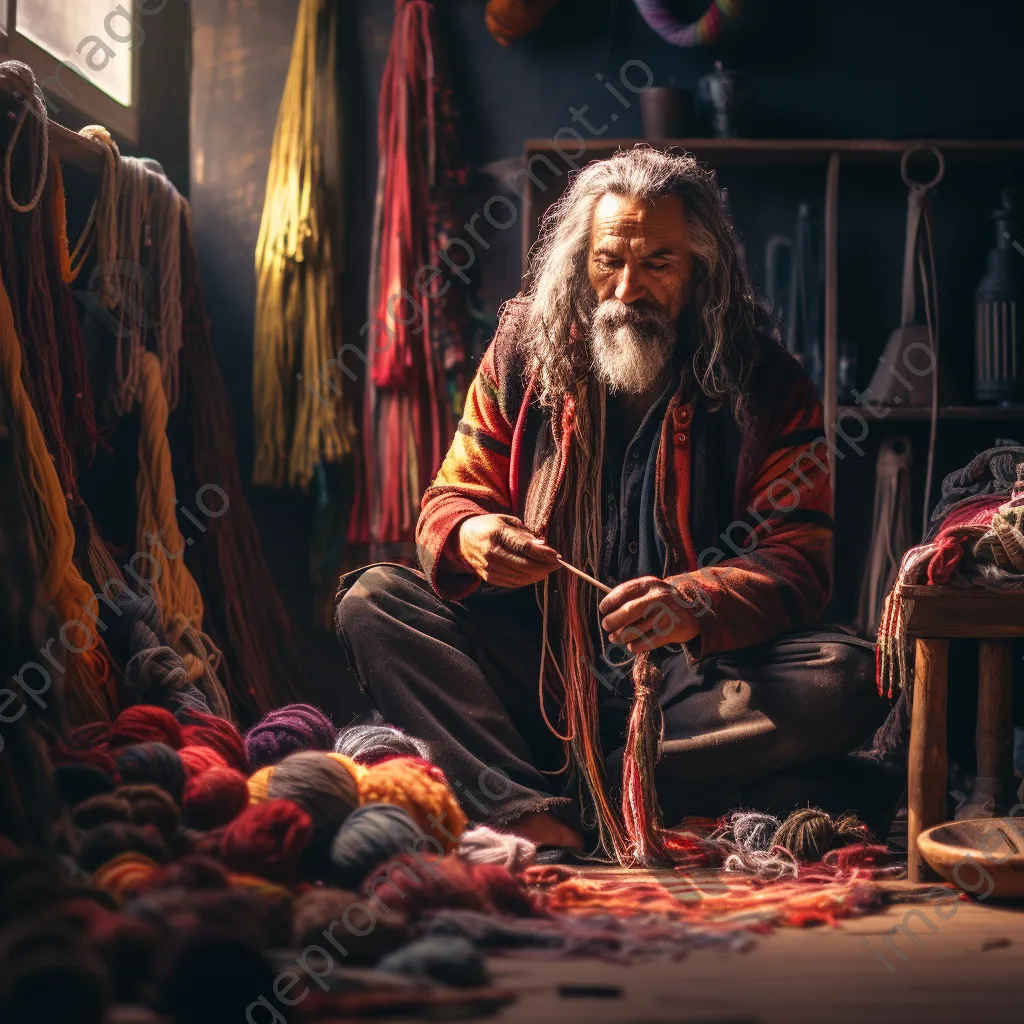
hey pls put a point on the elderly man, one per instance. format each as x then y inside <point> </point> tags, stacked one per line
<point>633,417</point>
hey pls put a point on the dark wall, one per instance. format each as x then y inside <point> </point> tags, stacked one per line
<point>874,69</point>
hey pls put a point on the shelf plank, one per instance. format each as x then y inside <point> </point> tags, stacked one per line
<point>946,412</point>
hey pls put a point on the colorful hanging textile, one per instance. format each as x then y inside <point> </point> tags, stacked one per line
<point>415,337</point>
<point>703,32</point>
<point>297,381</point>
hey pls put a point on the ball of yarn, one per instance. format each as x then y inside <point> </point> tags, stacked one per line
<point>448,959</point>
<point>152,805</point>
<point>365,937</point>
<point>155,763</point>
<point>371,744</point>
<point>219,733</point>
<point>267,839</point>
<point>214,798</point>
<point>100,809</point>
<point>370,835</point>
<point>407,783</point>
<point>320,784</point>
<point>482,845</point>
<point>196,759</point>
<point>89,736</point>
<point>193,871</point>
<point>259,783</point>
<point>753,830</point>
<point>145,723</point>
<point>288,730</point>
<point>95,757</point>
<point>809,833</point>
<point>104,842</point>
<point>355,769</point>
<point>126,874</point>
<point>78,782</point>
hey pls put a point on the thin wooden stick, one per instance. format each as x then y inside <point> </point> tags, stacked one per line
<point>583,576</point>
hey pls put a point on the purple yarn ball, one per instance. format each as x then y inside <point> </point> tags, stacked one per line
<point>288,730</point>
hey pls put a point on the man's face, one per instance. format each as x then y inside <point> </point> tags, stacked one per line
<point>640,253</point>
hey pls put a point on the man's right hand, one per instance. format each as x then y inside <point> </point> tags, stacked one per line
<point>502,551</point>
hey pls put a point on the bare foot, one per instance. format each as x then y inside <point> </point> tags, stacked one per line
<point>545,830</point>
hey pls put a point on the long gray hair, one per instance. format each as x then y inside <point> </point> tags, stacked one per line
<point>723,313</point>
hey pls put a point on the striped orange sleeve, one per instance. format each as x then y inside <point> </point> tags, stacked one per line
<point>770,571</point>
<point>473,480</point>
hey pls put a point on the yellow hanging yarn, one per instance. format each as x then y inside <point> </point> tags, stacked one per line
<point>300,421</point>
<point>158,538</point>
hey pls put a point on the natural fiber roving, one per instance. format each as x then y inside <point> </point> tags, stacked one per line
<point>286,731</point>
<point>267,839</point>
<point>214,797</point>
<point>482,845</point>
<point>219,733</point>
<point>809,833</point>
<point>364,936</point>
<point>126,874</point>
<point>370,744</point>
<point>152,762</point>
<point>196,758</point>
<point>446,959</point>
<point>370,835</point>
<point>406,783</point>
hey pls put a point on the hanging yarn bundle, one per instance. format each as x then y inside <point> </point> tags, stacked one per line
<point>261,666</point>
<point>417,788</point>
<point>407,415</point>
<point>288,730</point>
<point>297,384</point>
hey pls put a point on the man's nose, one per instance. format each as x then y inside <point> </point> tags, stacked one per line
<point>629,288</point>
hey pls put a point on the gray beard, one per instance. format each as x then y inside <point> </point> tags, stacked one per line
<point>630,347</point>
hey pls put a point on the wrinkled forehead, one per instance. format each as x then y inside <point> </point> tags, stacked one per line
<point>620,221</point>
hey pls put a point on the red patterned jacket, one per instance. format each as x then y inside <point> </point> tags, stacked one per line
<point>745,512</point>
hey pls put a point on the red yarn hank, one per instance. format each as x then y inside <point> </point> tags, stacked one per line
<point>267,839</point>
<point>221,735</point>
<point>214,798</point>
<point>144,723</point>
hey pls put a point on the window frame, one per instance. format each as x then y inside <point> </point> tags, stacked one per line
<point>65,90</point>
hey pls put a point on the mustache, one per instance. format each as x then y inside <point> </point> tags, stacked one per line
<point>614,313</point>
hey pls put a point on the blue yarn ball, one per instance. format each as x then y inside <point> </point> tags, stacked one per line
<point>450,960</point>
<point>369,744</point>
<point>370,835</point>
<point>153,762</point>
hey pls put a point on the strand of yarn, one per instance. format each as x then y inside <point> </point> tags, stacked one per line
<point>19,79</point>
<point>158,534</point>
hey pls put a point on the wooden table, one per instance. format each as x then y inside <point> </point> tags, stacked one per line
<point>935,615</point>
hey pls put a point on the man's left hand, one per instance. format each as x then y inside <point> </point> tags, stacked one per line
<point>647,613</point>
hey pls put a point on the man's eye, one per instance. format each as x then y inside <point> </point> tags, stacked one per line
<point>656,264</point>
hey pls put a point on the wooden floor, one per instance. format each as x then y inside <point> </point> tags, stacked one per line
<point>969,970</point>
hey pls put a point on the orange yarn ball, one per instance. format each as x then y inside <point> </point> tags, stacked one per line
<point>259,783</point>
<point>358,770</point>
<point>420,790</point>
<point>126,873</point>
<point>508,20</point>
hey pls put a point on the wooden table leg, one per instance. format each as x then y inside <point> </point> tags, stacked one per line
<point>926,763</point>
<point>994,735</point>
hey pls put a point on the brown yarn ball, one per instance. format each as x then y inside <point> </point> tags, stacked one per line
<point>318,909</point>
<point>320,784</point>
<point>152,805</point>
<point>809,833</point>
<point>98,810</point>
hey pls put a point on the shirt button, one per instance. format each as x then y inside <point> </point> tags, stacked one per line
<point>683,417</point>
<point>633,547</point>
<point>681,436</point>
<point>634,454</point>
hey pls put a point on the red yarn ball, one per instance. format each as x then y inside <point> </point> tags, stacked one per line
<point>196,759</point>
<point>267,839</point>
<point>145,723</point>
<point>214,798</point>
<point>219,733</point>
<point>64,753</point>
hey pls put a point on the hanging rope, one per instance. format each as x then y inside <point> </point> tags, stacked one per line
<point>17,79</point>
<point>297,384</point>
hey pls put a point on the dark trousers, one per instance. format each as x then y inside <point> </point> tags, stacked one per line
<point>464,677</point>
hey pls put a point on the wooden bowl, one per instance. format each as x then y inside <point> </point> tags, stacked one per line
<point>982,856</point>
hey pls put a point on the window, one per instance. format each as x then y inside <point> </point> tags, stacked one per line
<point>83,55</point>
